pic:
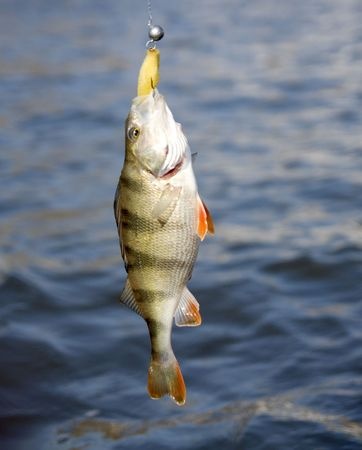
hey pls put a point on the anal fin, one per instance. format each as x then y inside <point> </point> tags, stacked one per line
<point>187,313</point>
<point>128,299</point>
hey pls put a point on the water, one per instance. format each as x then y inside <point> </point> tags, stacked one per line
<point>270,96</point>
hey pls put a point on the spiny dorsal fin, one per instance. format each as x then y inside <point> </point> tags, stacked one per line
<point>117,214</point>
<point>127,298</point>
<point>187,313</point>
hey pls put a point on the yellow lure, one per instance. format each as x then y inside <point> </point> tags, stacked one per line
<point>148,76</point>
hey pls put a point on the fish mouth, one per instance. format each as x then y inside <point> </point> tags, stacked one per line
<point>172,172</point>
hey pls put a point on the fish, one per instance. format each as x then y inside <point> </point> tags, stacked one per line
<point>161,220</point>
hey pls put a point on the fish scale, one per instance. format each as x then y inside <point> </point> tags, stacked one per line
<point>160,220</point>
<point>149,241</point>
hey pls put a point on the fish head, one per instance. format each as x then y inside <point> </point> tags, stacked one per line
<point>153,137</point>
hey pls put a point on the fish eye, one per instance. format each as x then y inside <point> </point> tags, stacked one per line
<point>133,133</point>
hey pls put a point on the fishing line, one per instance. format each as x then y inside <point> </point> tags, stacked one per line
<point>149,9</point>
<point>155,32</point>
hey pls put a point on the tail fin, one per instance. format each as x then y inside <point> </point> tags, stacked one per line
<point>166,378</point>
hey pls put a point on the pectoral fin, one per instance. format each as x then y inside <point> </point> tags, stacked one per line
<point>210,222</point>
<point>128,299</point>
<point>166,203</point>
<point>205,222</point>
<point>187,313</point>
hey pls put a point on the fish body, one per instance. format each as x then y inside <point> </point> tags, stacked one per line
<point>160,220</point>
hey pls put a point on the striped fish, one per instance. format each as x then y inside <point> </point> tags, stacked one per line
<point>161,220</point>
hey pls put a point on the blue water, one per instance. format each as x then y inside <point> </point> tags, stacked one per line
<point>270,96</point>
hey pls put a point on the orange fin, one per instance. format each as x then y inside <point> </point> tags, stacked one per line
<point>187,313</point>
<point>205,222</point>
<point>210,222</point>
<point>166,378</point>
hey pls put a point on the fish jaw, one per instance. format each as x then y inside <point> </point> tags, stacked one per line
<point>161,145</point>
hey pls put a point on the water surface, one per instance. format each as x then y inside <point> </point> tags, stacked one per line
<point>270,96</point>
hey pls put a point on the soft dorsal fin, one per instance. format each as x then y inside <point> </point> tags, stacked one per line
<point>205,222</point>
<point>187,313</point>
<point>128,299</point>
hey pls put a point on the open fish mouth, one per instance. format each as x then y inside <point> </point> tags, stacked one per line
<point>173,171</point>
